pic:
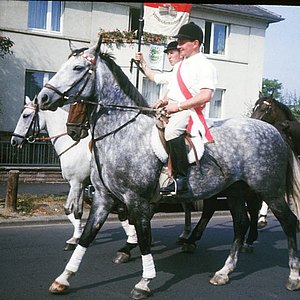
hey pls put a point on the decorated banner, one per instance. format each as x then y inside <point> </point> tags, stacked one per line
<point>156,57</point>
<point>165,18</point>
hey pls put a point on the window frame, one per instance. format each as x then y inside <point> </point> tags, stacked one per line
<point>46,77</point>
<point>134,15</point>
<point>208,47</point>
<point>213,101</point>
<point>49,24</point>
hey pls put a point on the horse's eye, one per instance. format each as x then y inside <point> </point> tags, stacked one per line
<point>78,68</point>
<point>26,116</point>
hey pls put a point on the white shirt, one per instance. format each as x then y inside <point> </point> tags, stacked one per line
<point>197,73</point>
<point>165,78</point>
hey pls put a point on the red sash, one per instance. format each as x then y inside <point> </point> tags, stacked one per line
<point>198,110</point>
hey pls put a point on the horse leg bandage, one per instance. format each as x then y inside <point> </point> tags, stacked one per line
<point>77,228</point>
<point>74,262</point>
<point>130,232</point>
<point>148,267</point>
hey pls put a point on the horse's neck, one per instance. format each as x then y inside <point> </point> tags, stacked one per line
<point>136,126</point>
<point>280,116</point>
<point>55,124</point>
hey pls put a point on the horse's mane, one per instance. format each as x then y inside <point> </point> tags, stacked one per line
<point>285,109</point>
<point>125,84</point>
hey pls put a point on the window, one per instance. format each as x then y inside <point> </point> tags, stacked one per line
<point>215,105</point>
<point>34,81</point>
<point>150,90</point>
<point>45,15</point>
<point>215,38</point>
<point>134,16</point>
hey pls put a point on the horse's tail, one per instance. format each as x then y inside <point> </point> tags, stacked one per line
<point>293,184</point>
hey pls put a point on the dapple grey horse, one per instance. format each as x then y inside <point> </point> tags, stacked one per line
<point>125,168</point>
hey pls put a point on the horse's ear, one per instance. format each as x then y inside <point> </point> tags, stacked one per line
<point>97,49</point>
<point>27,100</point>
<point>35,100</point>
<point>72,48</point>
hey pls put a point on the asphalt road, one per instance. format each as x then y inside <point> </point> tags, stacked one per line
<point>31,257</point>
<point>38,188</point>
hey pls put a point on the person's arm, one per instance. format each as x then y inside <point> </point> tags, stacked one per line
<point>199,99</point>
<point>149,73</point>
<point>160,103</point>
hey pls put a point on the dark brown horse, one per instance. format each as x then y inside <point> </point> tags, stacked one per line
<point>279,115</point>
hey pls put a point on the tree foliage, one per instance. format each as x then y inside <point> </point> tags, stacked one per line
<point>274,87</point>
<point>271,87</point>
<point>5,46</point>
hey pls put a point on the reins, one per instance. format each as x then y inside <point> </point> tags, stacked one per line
<point>55,137</point>
<point>76,98</point>
<point>141,108</point>
<point>116,130</point>
<point>35,123</point>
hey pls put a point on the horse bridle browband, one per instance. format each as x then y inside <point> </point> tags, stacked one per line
<point>268,110</point>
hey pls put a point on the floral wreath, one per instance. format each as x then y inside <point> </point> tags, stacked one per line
<point>121,38</point>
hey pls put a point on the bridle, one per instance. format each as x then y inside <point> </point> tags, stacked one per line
<point>268,111</point>
<point>68,99</point>
<point>82,124</point>
<point>76,98</point>
<point>87,76</point>
<point>34,126</point>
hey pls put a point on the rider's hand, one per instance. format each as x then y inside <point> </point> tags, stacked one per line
<point>172,107</point>
<point>159,103</point>
<point>139,56</point>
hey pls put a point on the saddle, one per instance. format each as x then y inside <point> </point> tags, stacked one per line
<point>194,144</point>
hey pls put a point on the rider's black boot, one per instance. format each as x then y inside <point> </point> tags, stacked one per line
<point>180,166</point>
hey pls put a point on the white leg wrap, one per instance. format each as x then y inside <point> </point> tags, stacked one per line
<point>71,218</point>
<point>74,262</point>
<point>148,267</point>
<point>125,226</point>
<point>130,232</point>
<point>77,228</point>
<point>63,278</point>
<point>264,209</point>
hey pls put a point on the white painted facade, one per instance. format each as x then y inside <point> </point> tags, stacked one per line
<point>239,71</point>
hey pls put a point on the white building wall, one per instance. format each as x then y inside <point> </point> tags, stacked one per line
<point>239,72</point>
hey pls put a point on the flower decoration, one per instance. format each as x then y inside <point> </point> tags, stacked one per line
<point>121,38</point>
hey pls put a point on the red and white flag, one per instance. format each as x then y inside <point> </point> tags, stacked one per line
<point>165,18</point>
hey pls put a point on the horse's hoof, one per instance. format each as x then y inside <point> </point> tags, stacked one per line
<point>121,258</point>
<point>293,285</point>
<point>262,224</point>
<point>247,249</point>
<point>188,248</point>
<point>137,293</point>
<point>70,247</point>
<point>57,288</point>
<point>219,279</point>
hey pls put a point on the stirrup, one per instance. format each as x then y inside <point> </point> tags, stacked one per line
<point>168,194</point>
